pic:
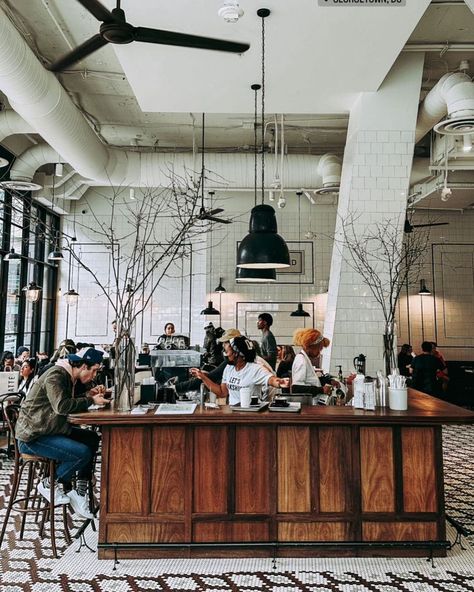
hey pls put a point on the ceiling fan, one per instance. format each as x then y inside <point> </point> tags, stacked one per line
<point>209,215</point>
<point>115,29</point>
<point>408,226</point>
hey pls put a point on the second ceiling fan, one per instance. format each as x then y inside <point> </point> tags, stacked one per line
<point>115,29</point>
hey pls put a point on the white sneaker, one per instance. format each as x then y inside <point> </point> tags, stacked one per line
<point>80,504</point>
<point>60,498</point>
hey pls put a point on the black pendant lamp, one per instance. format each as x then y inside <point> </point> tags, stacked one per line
<point>209,310</point>
<point>256,276</point>
<point>300,311</point>
<point>263,247</point>
<point>12,255</point>
<point>220,288</point>
<point>424,291</point>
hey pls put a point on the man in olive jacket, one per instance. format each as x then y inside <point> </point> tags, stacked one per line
<point>42,427</point>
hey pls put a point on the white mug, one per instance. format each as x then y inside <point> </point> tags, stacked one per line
<point>245,396</point>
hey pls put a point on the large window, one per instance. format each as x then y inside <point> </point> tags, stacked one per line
<point>29,229</point>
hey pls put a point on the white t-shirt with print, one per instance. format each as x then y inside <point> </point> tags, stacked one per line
<point>251,375</point>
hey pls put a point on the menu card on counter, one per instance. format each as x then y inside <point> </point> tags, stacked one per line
<point>176,409</point>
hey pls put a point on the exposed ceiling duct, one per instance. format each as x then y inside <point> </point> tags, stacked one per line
<point>11,123</point>
<point>225,171</point>
<point>329,168</point>
<point>453,94</point>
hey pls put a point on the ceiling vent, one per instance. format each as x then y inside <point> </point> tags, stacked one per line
<point>329,168</point>
<point>20,185</point>
<point>456,126</point>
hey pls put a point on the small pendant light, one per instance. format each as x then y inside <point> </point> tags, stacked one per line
<point>209,310</point>
<point>71,297</point>
<point>299,312</point>
<point>32,292</point>
<point>263,247</point>
<point>12,255</point>
<point>423,289</point>
<point>55,254</point>
<point>220,288</point>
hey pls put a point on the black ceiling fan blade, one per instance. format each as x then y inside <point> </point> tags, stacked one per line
<point>215,211</point>
<point>218,220</point>
<point>97,9</point>
<point>432,224</point>
<point>184,40</point>
<point>78,54</point>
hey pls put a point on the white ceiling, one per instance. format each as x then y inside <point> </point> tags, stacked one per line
<point>316,56</point>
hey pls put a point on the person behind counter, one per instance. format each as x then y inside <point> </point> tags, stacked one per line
<point>286,357</point>
<point>42,427</point>
<point>303,375</point>
<point>268,344</point>
<point>404,359</point>
<point>240,372</point>
<point>215,375</point>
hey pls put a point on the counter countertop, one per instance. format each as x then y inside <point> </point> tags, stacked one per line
<point>422,409</point>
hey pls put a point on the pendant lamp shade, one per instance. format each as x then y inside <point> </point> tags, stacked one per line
<point>220,288</point>
<point>263,247</point>
<point>424,291</point>
<point>210,310</point>
<point>32,292</point>
<point>71,297</point>
<point>55,256</point>
<point>256,276</point>
<point>299,312</point>
<point>12,255</point>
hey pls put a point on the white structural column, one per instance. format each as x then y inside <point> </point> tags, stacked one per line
<point>375,177</point>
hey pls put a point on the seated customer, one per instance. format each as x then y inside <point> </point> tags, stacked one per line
<point>425,366</point>
<point>303,375</point>
<point>241,372</point>
<point>7,362</point>
<point>42,427</point>
<point>22,354</point>
<point>27,375</point>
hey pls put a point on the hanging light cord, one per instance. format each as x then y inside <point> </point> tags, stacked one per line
<point>263,109</point>
<point>299,194</point>
<point>255,87</point>
<point>202,162</point>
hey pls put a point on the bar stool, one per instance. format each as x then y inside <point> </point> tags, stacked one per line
<point>30,501</point>
<point>5,400</point>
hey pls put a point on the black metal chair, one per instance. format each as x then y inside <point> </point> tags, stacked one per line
<point>29,470</point>
<point>6,399</point>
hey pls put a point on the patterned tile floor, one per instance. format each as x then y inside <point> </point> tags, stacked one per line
<point>26,566</point>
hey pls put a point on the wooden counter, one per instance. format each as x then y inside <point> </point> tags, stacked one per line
<point>326,481</point>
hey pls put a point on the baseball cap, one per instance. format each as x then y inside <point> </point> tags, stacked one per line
<point>21,349</point>
<point>229,334</point>
<point>87,355</point>
<point>243,347</point>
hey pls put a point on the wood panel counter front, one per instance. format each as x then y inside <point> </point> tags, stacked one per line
<point>326,481</point>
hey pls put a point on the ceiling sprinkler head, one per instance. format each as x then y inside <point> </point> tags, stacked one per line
<point>310,235</point>
<point>230,11</point>
<point>446,193</point>
<point>281,202</point>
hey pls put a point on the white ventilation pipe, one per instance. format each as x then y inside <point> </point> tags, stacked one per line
<point>11,123</point>
<point>453,94</point>
<point>232,171</point>
<point>31,160</point>
<point>330,168</point>
<point>73,189</point>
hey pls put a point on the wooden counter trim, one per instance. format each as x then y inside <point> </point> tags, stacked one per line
<point>422,409</point>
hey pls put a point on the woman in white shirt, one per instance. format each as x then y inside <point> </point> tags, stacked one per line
<point>241,371</point>
<point>303,374</point>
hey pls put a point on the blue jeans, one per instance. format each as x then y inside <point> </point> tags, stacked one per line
<point>74,453</point>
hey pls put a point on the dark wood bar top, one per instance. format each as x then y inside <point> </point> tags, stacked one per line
<point>422,409</point>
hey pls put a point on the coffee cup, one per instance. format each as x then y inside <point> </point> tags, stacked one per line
<point>245,396</point>
<point>280,402</point>
<point>254,401</point>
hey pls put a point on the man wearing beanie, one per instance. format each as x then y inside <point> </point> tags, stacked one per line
<point>42,427</point>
